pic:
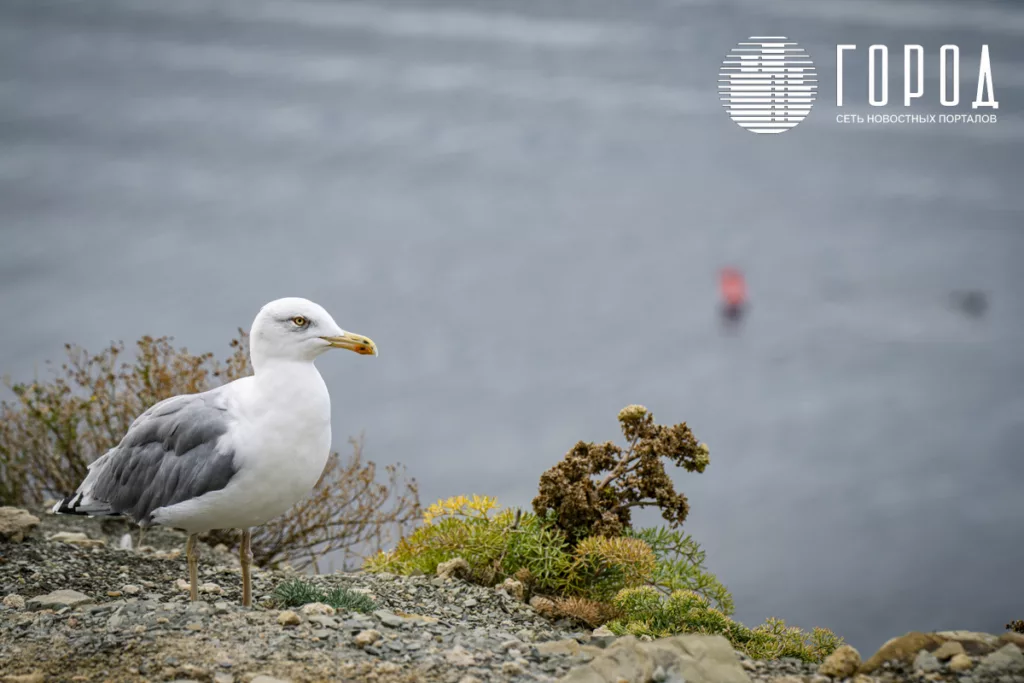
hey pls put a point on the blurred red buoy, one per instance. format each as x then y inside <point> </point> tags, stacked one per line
<point>734,292</point>
<point>733,286</point>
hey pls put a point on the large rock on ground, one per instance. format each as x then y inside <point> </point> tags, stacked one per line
<point>691,657</point>
<point>842,663</point>
<point>905,649</point>
<point>58,600</point>
<point>16,524</point>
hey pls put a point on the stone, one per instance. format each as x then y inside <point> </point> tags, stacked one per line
<point>16,524</point>
<point>288,618</point>
<point>1006,660</point>
<point>512,588</point>
<point>77,538</point>
<point>318,608</point>
<point>469,679</point>
<point>456,568</point>
<point>902,649</point>
<point>694,658</point>
<point>459,656</point>
<point>269,679</point>
<point>602,636</point>
<point>367,637</point>
<point>959,662</point>
<point>544,606</point>
<point>14,601</point>
<point>559,647</point>
<point>211,588</point>
<point>842,663</point>
<point>926,662</point>
<point>512,669</point>
<point>58,600</point>
<point>948,649</point>
<point>974,642</point>
<point>182,585</point>
<point>389,619</point>
<point>1013,637</point>
<point>34,677</point>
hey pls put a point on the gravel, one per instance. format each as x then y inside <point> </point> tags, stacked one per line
<point>99,611</point>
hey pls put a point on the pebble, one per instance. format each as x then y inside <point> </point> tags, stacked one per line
<point>288,618</point>
<point>368,637</point>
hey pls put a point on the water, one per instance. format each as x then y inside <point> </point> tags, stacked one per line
<point>525,204</point>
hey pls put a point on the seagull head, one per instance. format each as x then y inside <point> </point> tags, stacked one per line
<point>298,329</point>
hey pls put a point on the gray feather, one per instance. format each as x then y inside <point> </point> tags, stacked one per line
<point>168,456</point>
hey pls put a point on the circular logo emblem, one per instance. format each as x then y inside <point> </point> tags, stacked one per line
<point>767,84</point>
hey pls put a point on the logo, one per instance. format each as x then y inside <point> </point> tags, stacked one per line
<point>768,84</point>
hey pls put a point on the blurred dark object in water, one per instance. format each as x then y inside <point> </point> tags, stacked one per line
<point>972,302</point>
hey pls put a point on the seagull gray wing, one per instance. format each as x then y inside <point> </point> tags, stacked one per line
<point>173,452</point>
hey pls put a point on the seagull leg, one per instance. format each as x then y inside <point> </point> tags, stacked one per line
<point>192,553</point>
<point>245,558</point>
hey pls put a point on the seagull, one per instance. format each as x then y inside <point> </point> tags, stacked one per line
<point>233,457</point>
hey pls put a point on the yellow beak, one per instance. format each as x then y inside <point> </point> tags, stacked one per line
<point>353,342</point>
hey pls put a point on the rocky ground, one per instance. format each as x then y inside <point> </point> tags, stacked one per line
<point>81,605</point>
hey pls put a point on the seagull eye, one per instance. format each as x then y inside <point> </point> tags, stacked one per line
<point>300,321</point>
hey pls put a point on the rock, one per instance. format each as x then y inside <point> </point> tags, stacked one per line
<point>288,618</point>
<point>1013,637</point>
<point>456,568</point>
<point>182,585</point>
<point>1006,660</point>
<point>842,663</point>
<point>389,619</point>
<point>469,679</point>
<point>974,643</point>
<point>602,636</point>
<point>211,588</point>
<point>14,601</point>
<point>902,649</point>
<point>559,647</point>
<point>926,662</point>
<point>367,637</point>
<point>544,606</point>
<point>512,588</point>
<point>58,600</point>
<point>959,662</point>
<point>77,538</point>
<point>34,677</point>
<point>16,524</point>
<point>512,669</point>
<point>948,649</point>
<point>270,679</point>
<point>318,608</point>
<point>691,657</point>
<point>459,656</point>
<point>130,589</point>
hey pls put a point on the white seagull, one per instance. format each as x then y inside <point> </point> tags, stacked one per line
<point>233,457</point>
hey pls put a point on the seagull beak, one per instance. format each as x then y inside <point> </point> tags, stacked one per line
<point>353,342</point>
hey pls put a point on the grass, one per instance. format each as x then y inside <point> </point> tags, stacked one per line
<point>296,593</point>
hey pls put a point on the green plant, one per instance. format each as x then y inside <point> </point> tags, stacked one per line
<point>54,428</point>
<point>594,489</point>
<point>647,611</point>
<point>680,565</point>
<point>509,544</point>
<point>1016,625</point>
<point>297,592</point>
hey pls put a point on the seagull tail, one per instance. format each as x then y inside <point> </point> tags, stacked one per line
<point>82,504</point>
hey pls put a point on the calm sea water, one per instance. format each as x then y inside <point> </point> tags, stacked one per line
<point>526,205</point>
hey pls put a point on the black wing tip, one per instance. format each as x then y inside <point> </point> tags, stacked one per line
<point>71,505</point>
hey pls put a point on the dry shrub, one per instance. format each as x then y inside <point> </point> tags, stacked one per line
<point>589,612</point>
<point>595,487</point>
<point>56,427</point>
